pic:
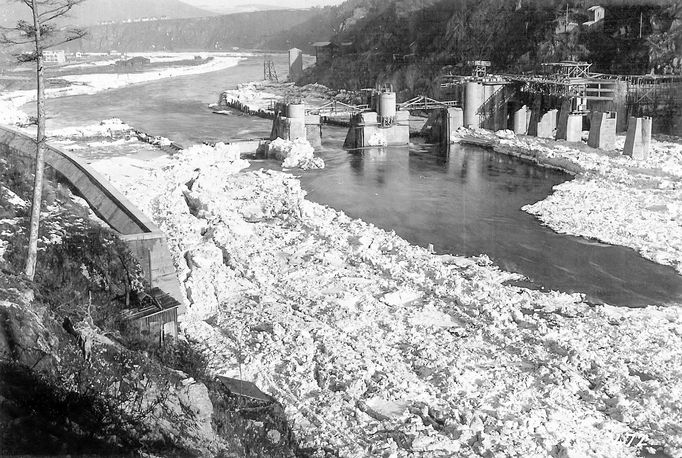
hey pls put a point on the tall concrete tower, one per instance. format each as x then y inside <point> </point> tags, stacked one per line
<point>295,63</point>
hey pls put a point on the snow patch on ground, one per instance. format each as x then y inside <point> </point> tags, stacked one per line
<point>107,128</point>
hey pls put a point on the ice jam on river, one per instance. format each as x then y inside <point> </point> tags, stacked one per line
<point>380,348</point>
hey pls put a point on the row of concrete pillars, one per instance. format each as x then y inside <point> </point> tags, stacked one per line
<point>371,129</point>
<point>565,125</point>
<point>484,105</point>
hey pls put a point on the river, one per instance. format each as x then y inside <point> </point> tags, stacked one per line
<point>466,200</point>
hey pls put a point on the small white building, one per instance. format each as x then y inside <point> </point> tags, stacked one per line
<point>54,57</point>
<point>598,13</point>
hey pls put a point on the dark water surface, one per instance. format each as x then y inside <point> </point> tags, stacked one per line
<point>463,201</point>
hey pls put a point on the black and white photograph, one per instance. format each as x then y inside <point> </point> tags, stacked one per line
<point>341,228</point>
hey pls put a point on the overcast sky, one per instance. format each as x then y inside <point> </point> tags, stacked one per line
<point>221,5</point>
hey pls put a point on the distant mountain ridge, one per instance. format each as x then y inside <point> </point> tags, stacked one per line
<point>92,12</point>
<point>244,30</point>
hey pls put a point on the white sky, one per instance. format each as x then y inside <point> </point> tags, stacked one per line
<point>219,5</point>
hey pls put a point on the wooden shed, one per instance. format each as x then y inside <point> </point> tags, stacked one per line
<point>157,320</point>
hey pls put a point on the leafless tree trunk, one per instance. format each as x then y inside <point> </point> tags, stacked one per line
<point>42,34</point>
<point>32,257</point>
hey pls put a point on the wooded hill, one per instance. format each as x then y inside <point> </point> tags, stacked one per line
<point>243,30</point>
<point>409,41</point>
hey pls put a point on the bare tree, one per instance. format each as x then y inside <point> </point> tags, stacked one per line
<point>42,33</point>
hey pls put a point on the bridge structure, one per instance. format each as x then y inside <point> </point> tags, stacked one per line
<point>425,103</point>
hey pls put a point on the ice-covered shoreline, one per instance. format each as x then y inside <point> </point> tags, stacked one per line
<point>92,83</point>
<point>614,198</point>
<point>379,348</point>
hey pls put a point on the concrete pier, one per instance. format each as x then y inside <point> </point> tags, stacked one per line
<point>366,130</point>
<point>297,124</point>
<point>638,138</point>
<point>603,130</point>
<point>487,115</point>
<point>473,99</point>
<point>454,119</point>
<point>295,64</point>
<point>574,128</point>
<point>441,124</point>
<point>562,123</point>
<point>499,114</point>
<point>534,116</point>
<point>547,124</point>
<point>521,120</point>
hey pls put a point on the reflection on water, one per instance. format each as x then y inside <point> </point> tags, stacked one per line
<point>465,200</point>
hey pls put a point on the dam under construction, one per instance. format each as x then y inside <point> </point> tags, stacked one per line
<point>559,103</point>
<point>563,100</point>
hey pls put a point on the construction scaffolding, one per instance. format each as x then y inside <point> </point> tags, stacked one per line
<point>654,95</point>
<point>269,71</point>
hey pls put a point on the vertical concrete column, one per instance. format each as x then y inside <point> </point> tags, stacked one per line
<point>638,138</point>
<point>535,116</point>
<point>313,130</point>
<point>521,121</point>
<point>574,127</point>
<point>562,124</point>
<point>454,119</point>
<point>499,107</point>
<point>488,118</point>
<point>547,124</point>
<point>364,131</point>
<point>603,130</point>
<point>295,63</point>
<point>296,120</point>
<point>473,99</point>
<point>620,103</point>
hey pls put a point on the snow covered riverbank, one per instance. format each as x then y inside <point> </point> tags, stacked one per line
<point>92,83</point>
<point>261,96</point>
<point>379,348</point>
<point>614,198</point>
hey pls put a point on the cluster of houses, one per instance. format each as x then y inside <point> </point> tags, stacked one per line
<point>61,57</point>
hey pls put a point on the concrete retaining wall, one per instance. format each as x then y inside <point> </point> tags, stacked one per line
<point>143,237</point>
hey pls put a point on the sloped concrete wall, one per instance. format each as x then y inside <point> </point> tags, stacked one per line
<point>143,237</point>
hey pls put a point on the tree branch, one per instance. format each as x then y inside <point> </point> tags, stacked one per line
<point>59,10</point>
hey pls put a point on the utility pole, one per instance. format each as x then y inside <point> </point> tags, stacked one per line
<point>566,23</point>
<point>641,20</point>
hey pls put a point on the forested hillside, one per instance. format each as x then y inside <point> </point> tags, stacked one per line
<point>244,30</point>
<point>407,42</point>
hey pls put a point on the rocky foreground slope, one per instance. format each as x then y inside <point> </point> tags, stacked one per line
<point>75,377</point>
